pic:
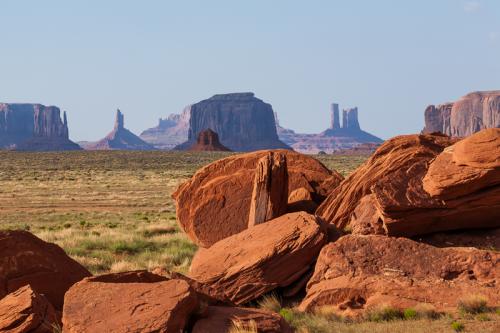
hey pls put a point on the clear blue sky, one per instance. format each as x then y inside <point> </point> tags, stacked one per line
<point>151,58</point>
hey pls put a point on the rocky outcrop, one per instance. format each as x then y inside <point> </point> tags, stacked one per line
<point>119,139</point>
<point>268,256</point>
<point>26,259</point>
<point>301,200</point>
<point>26,311</point>
<point>270,189</point>
<point>357,273</point>
<point>208,140</point>
<point>337,138</point>
<point>34,127</point>
<point>415,185</point>
<point>468,115</point>
<point>128,303</point>
<point>215,202</point>
<point>222,319</point>
<point>243,122</point>
<point>170,132</point>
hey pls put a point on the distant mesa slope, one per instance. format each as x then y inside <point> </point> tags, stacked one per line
<point>170,131</point>
<point>336,138</point>
<point>243,122</point>
<point>208,140</point>
<point>470,114</point>
<point>119,139</point>
<point>34,127</point>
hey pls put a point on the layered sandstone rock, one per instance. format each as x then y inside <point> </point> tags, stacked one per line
<point>243,122</point>
<point>119,139</point>
<point>470,114</point>
<point>170,132</point>
<point>26,259</point>
<point>208,140</point>
<point>456,189</point>
<point>301,200</point>
<point>270,189</point>
<point>215,202</point>
<point>130,303</point>
<point>357,273</point>
<point>265,257</point>
<point>34,127</point>
<point>26,311</point>
<point>222,319</point>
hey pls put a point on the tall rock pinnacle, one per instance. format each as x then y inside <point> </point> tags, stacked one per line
<point>119,123</point>
<point>335,116</point>
<point>350,118</point>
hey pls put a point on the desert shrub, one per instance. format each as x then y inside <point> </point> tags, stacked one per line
<point>148,233</point>
<point>427,311</point>
<point>473,305</point>
<point>287,314</point>
<point>270,302</point>
<point>132,247</point>
<point>241,327</point>
<point>483,317</point>
<point>457,327</point>
<point>328,312</point>
<point>410,314</point>
<point>384,313</point>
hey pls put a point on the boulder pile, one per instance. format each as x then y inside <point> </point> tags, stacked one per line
<point>408,228</point>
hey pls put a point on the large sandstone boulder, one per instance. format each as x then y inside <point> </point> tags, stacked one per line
<point>428,191</point>
<point>358,272</point>
<point>208,140</point>
<point>222,319</point>
<point>26,259</point>
<point>470,114</point>
<point>26,311</point>
<point>129,302</point>
<point>215,202</point>
<point>267,256</point>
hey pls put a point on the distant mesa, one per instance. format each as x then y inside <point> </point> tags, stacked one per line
<point>34,127</point>
<point>119,139</point>
<point>337,138</point>
<point>208,140</point>
<point>170,131</point>
<point>470,114</point>
<point>243,122</point>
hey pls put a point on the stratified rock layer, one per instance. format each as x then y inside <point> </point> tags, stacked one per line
<point>128,303</point>
<point>119,139</point>
<point>243,122</point>
<point>208,140</point>
<point>357,273</point>
<point>34,127</point>
<point>26,259</point>
<point>26,311</point>
<point>215,202</point>
<point>468,115</point>
<point>262,258</point>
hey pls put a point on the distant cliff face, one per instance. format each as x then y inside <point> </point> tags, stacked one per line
<point>34,127</point>
<point>170,131</point>
<point>119,138</point>
<point>243,122</point>
<point>468,115</point>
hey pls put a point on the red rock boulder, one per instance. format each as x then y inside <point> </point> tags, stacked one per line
<point>215,202</point>
<point>222,319</point>
<point>26,311</point>
<point>359,272</point>
<point>265,257</point>
<point>26,259</point>
<point>128,302</point>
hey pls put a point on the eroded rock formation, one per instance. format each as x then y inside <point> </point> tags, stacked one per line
<point>119,139</point>
<point>208,140</point>
<point>34,127</point>
<point>243,122</point>
<point>170,132</point>
<point>470,114</point>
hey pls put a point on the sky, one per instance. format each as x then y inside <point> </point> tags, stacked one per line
<point>151,58</point>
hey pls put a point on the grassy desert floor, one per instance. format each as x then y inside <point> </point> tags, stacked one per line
<point>112,211</point>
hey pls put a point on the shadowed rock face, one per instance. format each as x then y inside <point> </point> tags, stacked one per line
<point>243,122</point>
<point>468,115</point>
<point>34,127</point>
<point>119,139</point>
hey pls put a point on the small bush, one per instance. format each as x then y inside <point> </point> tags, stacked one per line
<point>457,327</point>
<point>287,314</point>
<point>270,302</point>
<point>428,311</point>
<point>410,314</point>
<point>385,313</point>
<point>483,317</point>
<point>473,305</point>
<point>67,225</point>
